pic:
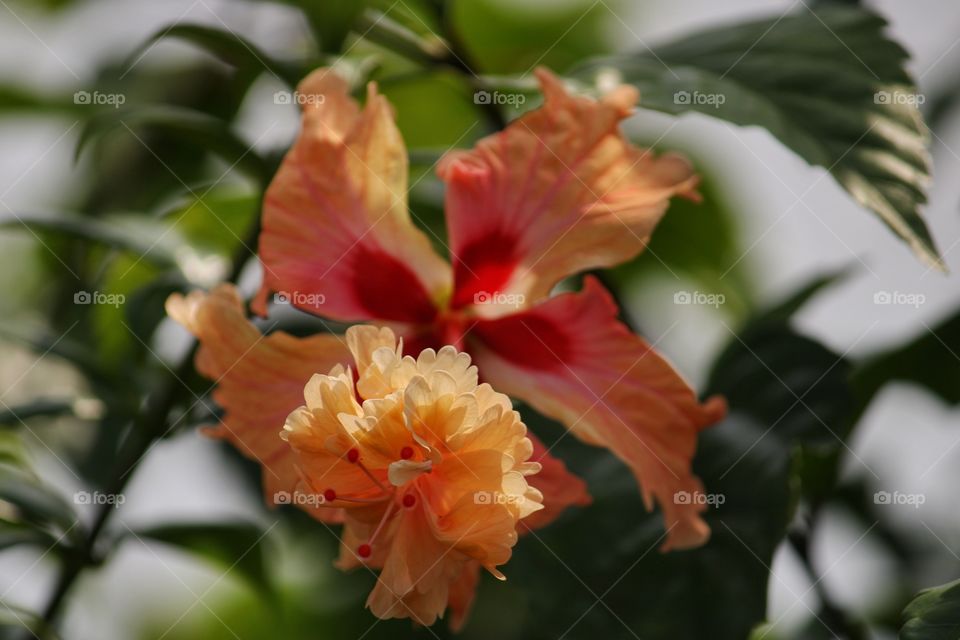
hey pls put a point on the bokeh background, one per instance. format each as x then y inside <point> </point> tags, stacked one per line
<point>771,224</point>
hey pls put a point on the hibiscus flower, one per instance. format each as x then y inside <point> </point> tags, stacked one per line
<point>559,191</point>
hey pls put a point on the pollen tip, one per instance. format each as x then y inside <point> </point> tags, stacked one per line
<point>353,455</point>
<point>329,495</point>
<point>364,550</point>
<point>406,453</point>
<point>409,500</point>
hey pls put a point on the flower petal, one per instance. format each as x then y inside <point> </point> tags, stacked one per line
<point>260,379</point>
<point>560,488</point>
<point>559,191</point>
<point>463,591</point>
<point>573,361</point>
<point>337,237</point>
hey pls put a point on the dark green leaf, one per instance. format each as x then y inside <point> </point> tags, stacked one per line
<point>35,503</point>
<point>188,125</point>
<point>827,83</point>
<point>931,360</point>
<point>234,546</point>
<point>109,234</point>
<point>64,346</point>
<point>934,614</point>
<point>43,407</point>
<point>785,309</point>
<point>13,619</point>
<point>15,534</point>
<point>227,46</point>
<point>795,386</point>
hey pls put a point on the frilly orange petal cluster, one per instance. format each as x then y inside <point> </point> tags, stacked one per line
<point>428,465</point>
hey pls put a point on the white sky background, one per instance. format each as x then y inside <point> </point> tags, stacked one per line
<point>908,438</point>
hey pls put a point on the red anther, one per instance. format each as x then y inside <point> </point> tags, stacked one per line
<point>353,455</point>
<point>406,453</point>
<point>409,500</point>
<point>329,495</point>
<point>364,550</point>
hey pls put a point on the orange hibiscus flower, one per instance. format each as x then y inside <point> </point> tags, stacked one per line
<point>557,192</point>
<point>427,465</point>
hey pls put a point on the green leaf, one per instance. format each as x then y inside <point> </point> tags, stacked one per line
<point>15,534</point>
<point>81,355</point>
<point>711,257</point>
<point>34,502</point>
<point>114,233</point>
<point>188,125</point>
<point>515,37</point>
<point>934,614</point>
<point>227,46</point>
<point>828,83</point>
<point>785,309</point>
<point>14,618</point>
<point>800,390</point>
<point>795,386</point>
<point>43,407</point>
<point>931,360</point>
<point>234,546</point>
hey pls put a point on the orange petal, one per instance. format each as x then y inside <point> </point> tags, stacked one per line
<point>463,591</point>
<point>573,361</point>
<point>559,191</point>
<point>560,488</point>
<point>416,573</point>
<point>260,379</point>
<point>337,237</point>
